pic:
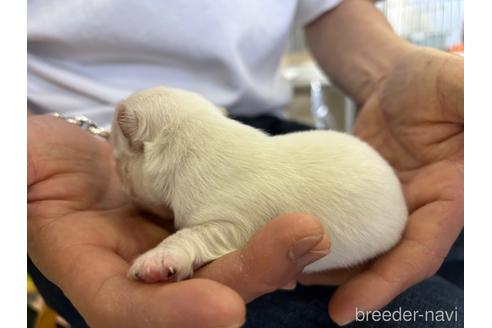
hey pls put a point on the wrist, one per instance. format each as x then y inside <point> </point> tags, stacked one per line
<point>356,47</point>
<point>428,69</point>
<point>377,70</point>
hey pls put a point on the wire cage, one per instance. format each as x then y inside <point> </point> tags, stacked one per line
<point>431,23</point>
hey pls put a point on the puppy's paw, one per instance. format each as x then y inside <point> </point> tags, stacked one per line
<point>161,264</point>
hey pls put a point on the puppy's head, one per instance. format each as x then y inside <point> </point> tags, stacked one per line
<point>150,131</point>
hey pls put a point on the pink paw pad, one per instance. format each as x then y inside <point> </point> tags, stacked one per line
<point>153,275</point>
<point>155,266</point>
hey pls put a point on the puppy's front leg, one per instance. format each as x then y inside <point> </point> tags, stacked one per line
<point>189,248</point>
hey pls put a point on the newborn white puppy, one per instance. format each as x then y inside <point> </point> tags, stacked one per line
<point>224,180</point>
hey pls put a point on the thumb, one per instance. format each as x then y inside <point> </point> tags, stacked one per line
<point>272,258</point>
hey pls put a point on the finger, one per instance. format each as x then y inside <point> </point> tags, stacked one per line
<point>83,256</point>
<point>96,284</point>
<point>273,257</point>
<point>332,277</point>
<point>417,257</point>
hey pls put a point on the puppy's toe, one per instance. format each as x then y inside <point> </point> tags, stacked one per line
<point>158,265</point>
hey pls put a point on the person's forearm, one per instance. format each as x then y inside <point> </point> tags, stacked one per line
<point>355,46</point>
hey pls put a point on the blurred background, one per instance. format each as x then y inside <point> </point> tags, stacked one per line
<point>432,23</point>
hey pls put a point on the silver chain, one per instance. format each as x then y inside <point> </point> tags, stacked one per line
<point>85,124</point>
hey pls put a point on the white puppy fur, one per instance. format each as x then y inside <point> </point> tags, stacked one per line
<point>224,180</point>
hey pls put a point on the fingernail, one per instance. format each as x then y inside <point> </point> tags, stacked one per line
<point>236,325</point>
<point>302,246</point>
<point>345,323</point>
<point>311,257</point>
<point>300,252</point>
<point>290,286</point>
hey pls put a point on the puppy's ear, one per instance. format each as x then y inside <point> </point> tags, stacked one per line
<point>128,121</point>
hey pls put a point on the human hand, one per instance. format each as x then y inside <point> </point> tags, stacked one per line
<point>83,233</point>
<point>415,120</point>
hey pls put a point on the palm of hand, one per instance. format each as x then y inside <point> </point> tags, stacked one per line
<point>73,176</point>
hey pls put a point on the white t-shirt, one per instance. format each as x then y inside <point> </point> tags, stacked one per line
<point>84,56</point>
